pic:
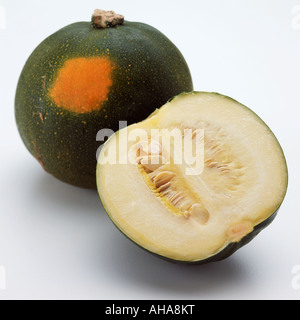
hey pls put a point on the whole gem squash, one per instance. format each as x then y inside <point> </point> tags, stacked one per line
<point>89,76</point>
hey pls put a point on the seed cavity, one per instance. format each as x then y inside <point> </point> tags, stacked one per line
<point>151,162</point>
<point>162,178</point>
<point>150,147</point>
<point>222,176</point>
<point>223,173</point>
<point>166,181</point>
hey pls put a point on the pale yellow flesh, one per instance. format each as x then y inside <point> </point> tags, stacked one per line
<point>243,183</point>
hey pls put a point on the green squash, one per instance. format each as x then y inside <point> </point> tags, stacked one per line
<point>196,181</point>
<point>87,77</point>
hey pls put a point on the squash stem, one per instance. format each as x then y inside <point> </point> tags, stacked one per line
<point>102,19</point>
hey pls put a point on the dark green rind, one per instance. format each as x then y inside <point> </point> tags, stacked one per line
<point>150,70</point>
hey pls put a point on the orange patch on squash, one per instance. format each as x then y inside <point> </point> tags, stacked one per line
<point>83,84</point>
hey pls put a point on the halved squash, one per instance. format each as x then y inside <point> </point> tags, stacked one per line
<point>195,181</point>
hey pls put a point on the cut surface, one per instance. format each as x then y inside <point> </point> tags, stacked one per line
<point>221,173</point>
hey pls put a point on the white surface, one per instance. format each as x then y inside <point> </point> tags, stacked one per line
<point>56,241</point>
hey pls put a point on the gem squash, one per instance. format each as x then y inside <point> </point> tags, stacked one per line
<point>89,76</point>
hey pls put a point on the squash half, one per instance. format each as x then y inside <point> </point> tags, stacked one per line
<point>194,182</point>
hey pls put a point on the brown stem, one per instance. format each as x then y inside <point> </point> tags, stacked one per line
<point>106,19</point>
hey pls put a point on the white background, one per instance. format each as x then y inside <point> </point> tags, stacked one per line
<point>56,241</point>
